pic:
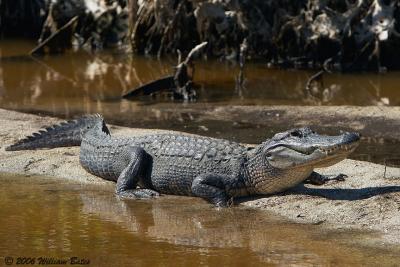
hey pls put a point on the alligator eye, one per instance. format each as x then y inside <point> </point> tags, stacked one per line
<point>296,134</point>
<point>268,155</point>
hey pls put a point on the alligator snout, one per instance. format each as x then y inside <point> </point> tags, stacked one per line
<point>348,142</point>
<point>349,138</point>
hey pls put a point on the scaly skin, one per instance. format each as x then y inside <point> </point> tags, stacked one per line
<point>179,164</point>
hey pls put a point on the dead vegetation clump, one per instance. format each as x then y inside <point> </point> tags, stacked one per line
<point>343,35</point>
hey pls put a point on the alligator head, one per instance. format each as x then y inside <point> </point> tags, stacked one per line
<point>289,157</point>
<point>298,147</point>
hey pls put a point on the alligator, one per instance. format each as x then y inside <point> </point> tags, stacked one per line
<point>182,164</point>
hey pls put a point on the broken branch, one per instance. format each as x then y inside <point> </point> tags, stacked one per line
<point>47,40</point>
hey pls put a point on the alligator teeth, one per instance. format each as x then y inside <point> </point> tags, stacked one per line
<point>331,150</point>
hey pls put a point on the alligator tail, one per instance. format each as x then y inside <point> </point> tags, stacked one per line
<point>67,133</point>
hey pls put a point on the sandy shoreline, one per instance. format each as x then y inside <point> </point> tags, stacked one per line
<point>368,199</point>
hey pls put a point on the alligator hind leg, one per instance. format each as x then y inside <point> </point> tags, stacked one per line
<point>129,177</point>
<point>212,188</point>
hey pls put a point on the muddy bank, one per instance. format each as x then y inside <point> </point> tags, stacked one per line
<point>252,124</point>
<point>368,199</point>
<point>370,121</point>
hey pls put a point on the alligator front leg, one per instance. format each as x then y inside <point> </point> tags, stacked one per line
<point>212,188</point>
<point>129,177</point>
<point>320,179</point>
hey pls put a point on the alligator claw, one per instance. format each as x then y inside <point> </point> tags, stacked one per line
<point>319,179</point>
<point>316,179</point>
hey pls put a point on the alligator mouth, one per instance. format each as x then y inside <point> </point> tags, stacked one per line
<point>342,148</point>
<point>327,150</point>
<point>334,154</point>
<point>319,156</point>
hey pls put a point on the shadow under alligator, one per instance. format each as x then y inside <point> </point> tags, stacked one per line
<point>345,194</point>
<point>350,194</point>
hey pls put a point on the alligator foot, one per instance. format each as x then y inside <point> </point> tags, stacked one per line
<point>138,193</point>
<point>129,177</point>
<point>319,179</point>
<point>339,178</point>
<point>212,188</point>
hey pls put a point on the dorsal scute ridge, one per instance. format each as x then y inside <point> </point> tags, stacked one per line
<point>67,133</point>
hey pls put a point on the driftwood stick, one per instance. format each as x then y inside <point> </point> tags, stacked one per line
<point>193,52</point>
<point>158,85</point>
<point>133,8</point>
<point>316,77</point>
<point>244,46</point>
<point>49,21</point>
<point>180,83</point>
<point>179,56</point>
<point>325,65</point>
<point>42,44</point>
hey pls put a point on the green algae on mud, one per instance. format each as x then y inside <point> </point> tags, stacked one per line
<point>47,217</point>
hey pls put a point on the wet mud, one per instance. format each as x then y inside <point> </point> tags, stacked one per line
<point>369,199</point>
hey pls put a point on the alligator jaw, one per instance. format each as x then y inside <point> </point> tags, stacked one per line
<point>341,148</point>
<point>335,154</point>
<point>310,150</point>
<point>332,150</point>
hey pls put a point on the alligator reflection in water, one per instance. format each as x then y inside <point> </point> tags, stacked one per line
<point>191,223</point>
<point>88,221</point>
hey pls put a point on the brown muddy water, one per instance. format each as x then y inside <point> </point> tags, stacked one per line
<point>80,82</point>
<point>49,218</point>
